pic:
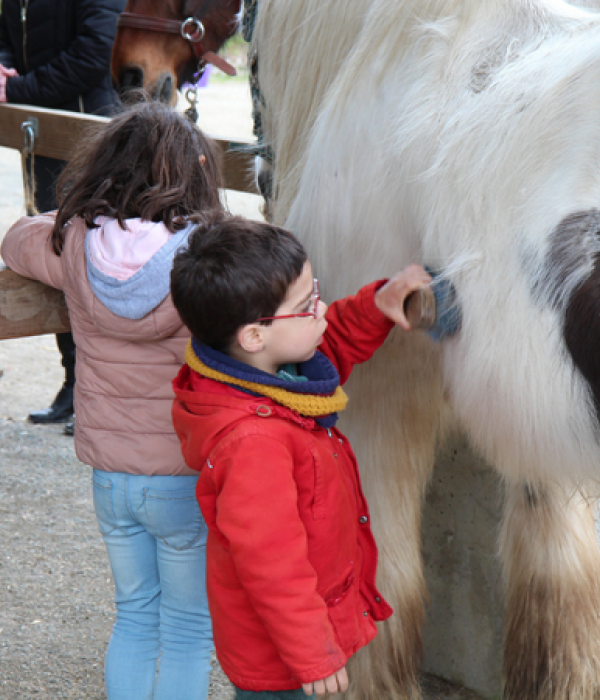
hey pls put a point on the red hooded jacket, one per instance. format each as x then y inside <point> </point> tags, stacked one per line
<point>291,559</point>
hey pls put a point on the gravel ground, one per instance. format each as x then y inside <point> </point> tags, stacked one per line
<point>56,594</point>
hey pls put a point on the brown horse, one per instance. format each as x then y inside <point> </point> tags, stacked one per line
<point>162,44</point>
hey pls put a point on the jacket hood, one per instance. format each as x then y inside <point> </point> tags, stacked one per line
<point>96,291</point>
<point>204,410</point>
<point>129,269</point>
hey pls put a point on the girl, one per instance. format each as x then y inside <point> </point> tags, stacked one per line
<point>127,202</point>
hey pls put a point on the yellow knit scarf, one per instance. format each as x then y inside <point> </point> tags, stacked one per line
<point>305,404</point>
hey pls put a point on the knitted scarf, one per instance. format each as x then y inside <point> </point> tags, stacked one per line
<point>319,397</point>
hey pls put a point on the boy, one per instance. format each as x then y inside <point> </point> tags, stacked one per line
<point>291,557</point>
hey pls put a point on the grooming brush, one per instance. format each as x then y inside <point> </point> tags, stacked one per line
<point>434,308</point>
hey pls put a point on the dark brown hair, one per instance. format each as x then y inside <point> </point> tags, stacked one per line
<point>143,163</point>
<point>233,272</point>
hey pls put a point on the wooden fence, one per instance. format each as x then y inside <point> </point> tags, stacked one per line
<point>31,308</point>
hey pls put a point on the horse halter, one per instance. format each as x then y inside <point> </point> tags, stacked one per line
<point>190,29</point>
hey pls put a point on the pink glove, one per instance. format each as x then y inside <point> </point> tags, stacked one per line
<point>4,74</point>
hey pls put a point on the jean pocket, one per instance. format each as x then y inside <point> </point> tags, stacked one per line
<point>175,517</point>
<point>103,503</point>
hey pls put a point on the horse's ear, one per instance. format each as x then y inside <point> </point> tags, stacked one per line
<point>198,8</point>
<point>195,8</point>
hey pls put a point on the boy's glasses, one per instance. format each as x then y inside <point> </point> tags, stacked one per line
<point>315,297</point>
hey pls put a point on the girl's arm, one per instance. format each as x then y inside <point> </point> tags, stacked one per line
<point>27,251</point>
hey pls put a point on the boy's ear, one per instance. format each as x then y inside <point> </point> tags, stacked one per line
<point>250,337</point>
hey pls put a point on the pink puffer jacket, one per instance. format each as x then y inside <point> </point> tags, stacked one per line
<point>124,368</point>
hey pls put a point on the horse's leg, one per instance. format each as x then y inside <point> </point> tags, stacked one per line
<point>392,424</point>
<point>551,562</point>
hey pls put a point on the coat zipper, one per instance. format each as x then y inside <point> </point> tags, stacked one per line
<point>24,8</point>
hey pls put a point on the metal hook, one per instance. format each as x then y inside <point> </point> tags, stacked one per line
<point>191,95</point>
<point>30,131</point>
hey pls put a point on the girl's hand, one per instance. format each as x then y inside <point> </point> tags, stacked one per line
<point>390,298</point>
<point>336,683</point>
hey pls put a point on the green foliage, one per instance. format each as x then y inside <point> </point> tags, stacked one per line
<point>235,52</point>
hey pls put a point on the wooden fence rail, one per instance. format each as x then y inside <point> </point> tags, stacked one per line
<point>28,307</point>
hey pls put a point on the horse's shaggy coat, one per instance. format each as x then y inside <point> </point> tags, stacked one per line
<point>463,134</point>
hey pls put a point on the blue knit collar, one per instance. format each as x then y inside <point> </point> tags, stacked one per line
<point>322,377</point>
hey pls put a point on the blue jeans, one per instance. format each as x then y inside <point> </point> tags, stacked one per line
<point>156,541</point>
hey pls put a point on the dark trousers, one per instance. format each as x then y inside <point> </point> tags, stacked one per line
<point>271,695</point>
<point>47,172</point>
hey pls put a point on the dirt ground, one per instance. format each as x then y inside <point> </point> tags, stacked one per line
<point>56,594</point>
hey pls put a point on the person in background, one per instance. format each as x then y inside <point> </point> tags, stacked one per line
<point>56,54</point>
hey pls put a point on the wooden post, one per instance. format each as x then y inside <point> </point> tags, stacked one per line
<point>31,308</point>
<point>58,132</point>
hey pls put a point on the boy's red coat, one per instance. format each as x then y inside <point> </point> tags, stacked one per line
<point>291,557</point>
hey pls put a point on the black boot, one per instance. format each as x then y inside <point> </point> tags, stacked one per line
<point>61,409</point>
<point>69,428</point>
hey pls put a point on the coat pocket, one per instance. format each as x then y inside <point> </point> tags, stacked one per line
<point>174,516</point>
<point>343,610</point>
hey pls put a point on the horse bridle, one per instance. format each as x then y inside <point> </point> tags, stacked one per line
<point>191,29</point>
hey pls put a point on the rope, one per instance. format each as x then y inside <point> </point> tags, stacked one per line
<point>250,11</point>
<point>262,149</point>
<point>27,166</point>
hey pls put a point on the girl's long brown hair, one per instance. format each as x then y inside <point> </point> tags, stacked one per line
<point>148,162</point>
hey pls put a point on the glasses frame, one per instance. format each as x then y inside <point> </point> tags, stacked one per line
<point>315,298</point>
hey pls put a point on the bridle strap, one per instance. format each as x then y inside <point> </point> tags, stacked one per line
<point>152,24</point>
<point>133,20</point>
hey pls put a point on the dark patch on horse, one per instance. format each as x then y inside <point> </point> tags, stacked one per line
<point>493,59</point>
<point>568,280</point>
<point>573,246</point>
<point>582,331</point>
<point>533,495</point>
<point>575,242</point>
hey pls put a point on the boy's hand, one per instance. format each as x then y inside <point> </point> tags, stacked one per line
<point>336,683</point>
<point>391,297</point>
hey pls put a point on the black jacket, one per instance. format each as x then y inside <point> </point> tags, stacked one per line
<point>62,52</point>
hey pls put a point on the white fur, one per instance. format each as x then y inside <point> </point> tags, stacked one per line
<point>445,173</point>
<point>458,134</point>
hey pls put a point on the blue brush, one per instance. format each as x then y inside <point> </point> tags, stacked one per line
<point>435,308</point>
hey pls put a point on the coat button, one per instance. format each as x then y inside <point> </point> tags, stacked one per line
<point>377,599</point>
<point>366,613</point>
<point>363,519</point>
<point>263,411</point>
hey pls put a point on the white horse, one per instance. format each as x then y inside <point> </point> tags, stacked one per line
<point>464,134</point>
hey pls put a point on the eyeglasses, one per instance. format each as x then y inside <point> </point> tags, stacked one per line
<point>315,297</point>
